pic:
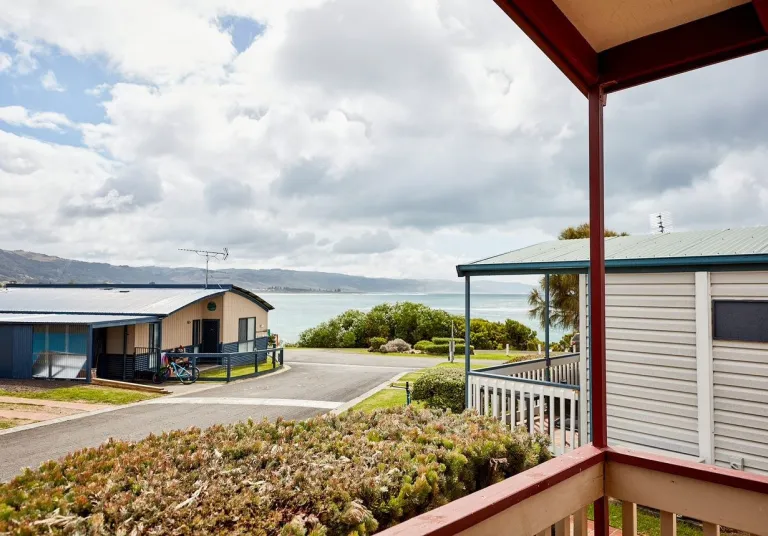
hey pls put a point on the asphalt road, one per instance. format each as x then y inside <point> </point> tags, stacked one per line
<point>316,378</point>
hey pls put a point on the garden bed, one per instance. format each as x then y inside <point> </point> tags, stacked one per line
<point>356,472</point>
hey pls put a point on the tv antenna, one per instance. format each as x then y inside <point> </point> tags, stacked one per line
<point>221,255</point>
<point>661,222</point>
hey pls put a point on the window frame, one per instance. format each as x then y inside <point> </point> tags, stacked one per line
<point>728,336</point>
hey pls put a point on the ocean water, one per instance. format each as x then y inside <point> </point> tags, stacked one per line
<point>295,312</point>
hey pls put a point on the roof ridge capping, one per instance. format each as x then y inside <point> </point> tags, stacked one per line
<point>685,249</point>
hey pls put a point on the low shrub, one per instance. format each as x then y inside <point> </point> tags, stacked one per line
<point>376,343</point>
<point>442,349</point>
<point>532,346</point>
<point>441,388</point>
<point>398,345</point>
<point>349,474</point>
<point>446,340</point>
<point>422,346</point>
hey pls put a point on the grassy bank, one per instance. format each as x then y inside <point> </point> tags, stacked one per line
<point>11,423</point>
<point>82,393</point>
<point>395,396</point>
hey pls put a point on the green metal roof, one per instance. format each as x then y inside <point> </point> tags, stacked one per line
<point>741,249</point>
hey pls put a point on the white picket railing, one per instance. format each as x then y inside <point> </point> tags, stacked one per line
<point>543,407</point>
<point>563,369</point>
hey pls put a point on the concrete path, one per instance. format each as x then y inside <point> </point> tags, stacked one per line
<point>317,382</point>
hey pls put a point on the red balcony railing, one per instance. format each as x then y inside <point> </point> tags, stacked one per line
<point>553,497</point>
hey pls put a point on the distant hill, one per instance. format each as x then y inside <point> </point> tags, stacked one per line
<point>27,267</point>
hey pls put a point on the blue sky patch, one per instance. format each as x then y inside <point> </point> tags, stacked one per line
<point>243,30</point>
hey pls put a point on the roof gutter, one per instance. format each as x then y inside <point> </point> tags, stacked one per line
<point>711,263</point>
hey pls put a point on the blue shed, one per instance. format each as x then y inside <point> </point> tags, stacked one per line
<point>16,351</point>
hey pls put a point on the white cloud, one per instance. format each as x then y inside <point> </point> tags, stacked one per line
<point>5,61</point>
<point>379,138</point>
<point>25,62</point>
<point>20,116</point>
<point>50,83</point>
<point>97,90</point>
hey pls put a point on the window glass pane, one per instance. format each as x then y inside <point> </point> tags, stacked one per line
<point>78,340</point>
<point>242,330</point>
<point>57,338</point>
<point>740,320</point>
<point>251,329</point>
<point>195,332</point>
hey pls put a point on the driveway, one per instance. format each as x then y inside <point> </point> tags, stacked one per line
<point>317,382</point>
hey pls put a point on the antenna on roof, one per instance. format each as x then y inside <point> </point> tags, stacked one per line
<point>222,255</point>
<point>661,222</point>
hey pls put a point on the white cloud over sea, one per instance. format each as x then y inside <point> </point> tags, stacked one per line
<point>374,138</point>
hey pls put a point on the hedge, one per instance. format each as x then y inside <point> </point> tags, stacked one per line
<point>422,346</point>
<point>442,349</point>
<point>350,474</point>
<point>441,388</point>
<point>446,340</point>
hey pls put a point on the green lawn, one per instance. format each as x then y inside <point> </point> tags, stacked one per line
<point>647,523</point>
<point>10,423</point>
<point>386,398</point>
<point>83,393</point>
<point>391,397</point>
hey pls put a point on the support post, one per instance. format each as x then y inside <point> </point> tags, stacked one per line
<point>125,349</point>
<point>548,362</point>
<point>466,341</point>
<point>597,289</point>
<point>159,342</point>
<point>704,367</point>
<point>89,355</point>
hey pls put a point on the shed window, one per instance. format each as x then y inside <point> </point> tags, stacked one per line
<point>740,320</point>
<point>196,339</point>
<point>246,333</point>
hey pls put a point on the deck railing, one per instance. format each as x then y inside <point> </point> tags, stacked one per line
<point>563,369</point>
<point>515,395</point>
<point>236,365</point>
<point>552,499</point>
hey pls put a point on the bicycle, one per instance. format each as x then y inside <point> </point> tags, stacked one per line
<point>185,375</point>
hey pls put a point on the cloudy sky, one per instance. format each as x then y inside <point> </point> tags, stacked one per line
<point>391,138</point>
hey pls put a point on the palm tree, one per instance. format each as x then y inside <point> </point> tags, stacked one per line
<point>563,302</point>
<point>563,289</point>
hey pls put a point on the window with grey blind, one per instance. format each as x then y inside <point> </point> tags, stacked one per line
<point>740,320</point>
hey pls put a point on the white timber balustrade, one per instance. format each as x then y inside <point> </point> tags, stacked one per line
<point>544,407</point>
<point>563,369</point>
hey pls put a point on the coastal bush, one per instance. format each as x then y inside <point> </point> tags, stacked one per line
<point>377,343</point>
<point>411,322</point>
<point>441,388</point>
<point>397,345</point>
<point>422,346</point>
<point>354,473</point>
<point>533,345</point>
<point>442,349</point>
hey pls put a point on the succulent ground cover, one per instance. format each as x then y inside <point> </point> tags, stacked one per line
<point>355,473</point>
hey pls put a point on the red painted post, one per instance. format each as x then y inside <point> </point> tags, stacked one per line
<point>597,288</point>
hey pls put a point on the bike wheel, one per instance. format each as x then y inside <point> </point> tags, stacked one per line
<point>161,375</point>
<point>189,375</point>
